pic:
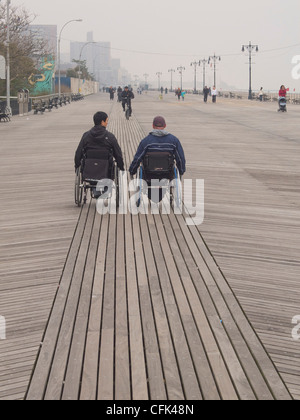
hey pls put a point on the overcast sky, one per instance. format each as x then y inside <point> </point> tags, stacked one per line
<point>151,36</point>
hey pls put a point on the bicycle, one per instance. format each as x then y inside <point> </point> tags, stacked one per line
<point>128,110</point>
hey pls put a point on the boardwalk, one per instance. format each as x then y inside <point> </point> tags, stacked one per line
<point>145,307</point>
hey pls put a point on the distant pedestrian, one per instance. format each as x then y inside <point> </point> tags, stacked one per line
<point>120,90</point>
<point>112,93</point>
<point>261,94</point>
<point>205,93</point>
<point>179,94</point>
<point>183,93</point>
<point>214,94</point>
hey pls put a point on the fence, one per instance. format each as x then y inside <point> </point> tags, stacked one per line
<point>14,105</point>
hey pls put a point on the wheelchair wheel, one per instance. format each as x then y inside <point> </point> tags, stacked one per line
<point>78,188</point>
<point>116,179</point>
<point>140,178</point>
<point>177,190</point>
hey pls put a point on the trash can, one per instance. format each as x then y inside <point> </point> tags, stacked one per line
<point>21,97</point>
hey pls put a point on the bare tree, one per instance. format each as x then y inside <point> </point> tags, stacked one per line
<point>25,48</point>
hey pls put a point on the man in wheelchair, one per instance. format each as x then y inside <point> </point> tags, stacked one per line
<point>97,152</point>
<point>158,153</point>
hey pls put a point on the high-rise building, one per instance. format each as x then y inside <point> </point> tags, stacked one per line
<point>98,58</point>
<point>46,33</point>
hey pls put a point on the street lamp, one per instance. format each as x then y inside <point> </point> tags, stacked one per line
<point>195,64</point>
<point>171,71</point>
<point>204,65</point>
<point>146,75</point>
<point>7,43</point>
<point>80,55</point>
<point>181,70</point>
<point>158,75</point>
<point>214,58</point>
<point>250,48</point>
<point>59,42</point>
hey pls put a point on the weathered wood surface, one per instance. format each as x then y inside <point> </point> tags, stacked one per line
<point>147,307</point>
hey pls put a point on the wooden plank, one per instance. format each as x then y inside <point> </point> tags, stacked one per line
<point>73,374</point>
<point>122,361</point>
<point>107,342</point>
<point>60,357</point>
<point>90,367</point>
<point>38,383</point>
<point>169,362</point>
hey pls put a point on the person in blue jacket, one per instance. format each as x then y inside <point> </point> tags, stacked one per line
<point>159,140</point>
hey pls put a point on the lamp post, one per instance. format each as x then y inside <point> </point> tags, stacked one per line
<point>250,48</point>
<point>80,55</point>
<point>59,42</point>
<point>159,74</point>
<point>214,58</point>
<point>146,75</point>
<point>181,70</point>
<point>7,43</point>
<point>171,71</point>
<point>195,64</point>
<point>203,62</point>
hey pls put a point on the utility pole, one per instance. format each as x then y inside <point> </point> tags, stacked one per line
<point>250,48</point>
<point>159,74</point>
<point>59,54</point>
<point>7,44</point>
<point>181,70</point>
<point>79,65</point>
<point>203,62</point>
<point>214,58</point>
<point>146,75</point>
<point>195,64</point>
<point>171,71</point>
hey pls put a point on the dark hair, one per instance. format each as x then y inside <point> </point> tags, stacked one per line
<point>99,117</point>
<point>159,122</point>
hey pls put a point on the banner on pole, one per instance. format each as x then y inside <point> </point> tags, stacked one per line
<point>2,67</point>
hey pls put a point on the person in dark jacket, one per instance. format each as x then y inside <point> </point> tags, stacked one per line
<point>205,93</point>
<point>127,96</point>
<point>112,93</point>
<point>159,140</point>
<point>98,143</point>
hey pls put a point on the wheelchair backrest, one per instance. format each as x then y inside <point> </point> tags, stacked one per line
<point>158,162</point>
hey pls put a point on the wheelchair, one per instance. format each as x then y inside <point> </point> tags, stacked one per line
<point>159,171</point>
<point>88,178</point>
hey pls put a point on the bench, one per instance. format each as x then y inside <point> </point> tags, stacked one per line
<point>4,116</point>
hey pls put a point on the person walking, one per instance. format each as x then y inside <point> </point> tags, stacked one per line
<point>261,94</point>
<point>205,93</point>
<point>112,93</point>
<point>120,90</point>
<point>214,94</point>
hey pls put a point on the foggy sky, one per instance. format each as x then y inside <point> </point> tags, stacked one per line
<point>151,36</point>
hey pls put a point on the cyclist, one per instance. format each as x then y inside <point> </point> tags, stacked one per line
<point>127,96</point>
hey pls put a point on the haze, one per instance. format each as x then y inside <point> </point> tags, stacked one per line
<point>154,36</point>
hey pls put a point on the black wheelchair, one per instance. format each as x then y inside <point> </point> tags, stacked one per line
<point>159,172</point>
<point>93,171</point>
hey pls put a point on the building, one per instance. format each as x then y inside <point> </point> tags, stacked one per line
<point>46,33</point>
<point>107,71</point>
